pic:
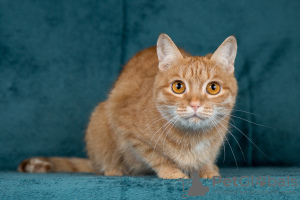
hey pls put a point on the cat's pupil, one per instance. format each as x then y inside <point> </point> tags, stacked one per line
<point>178,86</point>
<point>213,86</point>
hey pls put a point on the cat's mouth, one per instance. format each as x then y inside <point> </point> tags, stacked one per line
<point>196,117</point>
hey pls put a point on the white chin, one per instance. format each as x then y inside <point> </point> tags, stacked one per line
<point>194,119</point>
<point>195,124</point>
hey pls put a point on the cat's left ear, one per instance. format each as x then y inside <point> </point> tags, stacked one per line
<point>226,53</point>
<point>167,52</point>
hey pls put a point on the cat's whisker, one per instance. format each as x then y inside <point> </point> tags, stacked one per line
<point>173,123</point>
<point>228,144</point>
<point>159,129</point>
<point>229,108</point>
<point>234,139</point>
<point>152,121</point>
<point>232,120</point>
<point>155,119</point>
<point>169,123</point>
<point>222,140</point>
<point>228,113</point>
<point>250,121</point>
<point>247,138</point>
<point>160,118</point>
<point>241,111</point>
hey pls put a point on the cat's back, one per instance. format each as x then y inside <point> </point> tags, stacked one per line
<point>144,64</point>
<point>137,76</point>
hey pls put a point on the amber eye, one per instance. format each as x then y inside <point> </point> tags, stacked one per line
<point>213,88</point>
<point>178,87</point>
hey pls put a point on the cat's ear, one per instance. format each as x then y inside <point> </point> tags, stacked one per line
<point>167,52</point>
<point>226,53</point>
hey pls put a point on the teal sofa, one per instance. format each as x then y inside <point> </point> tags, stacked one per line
<point>58,59</point>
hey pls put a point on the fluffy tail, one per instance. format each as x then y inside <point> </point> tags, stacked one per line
<point>55,164</point>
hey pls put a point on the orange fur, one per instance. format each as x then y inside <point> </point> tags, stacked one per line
<point>144,126</point>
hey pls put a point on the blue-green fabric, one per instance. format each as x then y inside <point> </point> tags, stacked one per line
<point>88,186</point>
<point>58,59</point>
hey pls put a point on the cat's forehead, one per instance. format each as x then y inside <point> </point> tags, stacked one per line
<point>195,68</point>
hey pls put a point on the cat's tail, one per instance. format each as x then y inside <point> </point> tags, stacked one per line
<point>55,164</point>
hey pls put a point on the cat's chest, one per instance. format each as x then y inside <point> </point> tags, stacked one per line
<point>195,156</point>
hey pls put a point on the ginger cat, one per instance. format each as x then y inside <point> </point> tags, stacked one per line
<point>167,113</point>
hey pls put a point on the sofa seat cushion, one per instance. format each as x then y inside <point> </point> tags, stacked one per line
<point>14,185</point>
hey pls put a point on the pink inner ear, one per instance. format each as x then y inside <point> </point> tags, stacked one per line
<point>167,52</point>
<point>226,53</point>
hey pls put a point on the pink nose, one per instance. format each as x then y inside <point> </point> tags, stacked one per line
<point>195,105</point>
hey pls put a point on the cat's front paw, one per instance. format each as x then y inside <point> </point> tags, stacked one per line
<point>113,172</point>
<point>172,174</point>
<point>208,174</point>
<point>35,165</point>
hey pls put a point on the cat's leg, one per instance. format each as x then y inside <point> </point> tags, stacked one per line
<point>168,170</point>
<point>102,145</point>
<point>163,166</point>
<point>209,171</point>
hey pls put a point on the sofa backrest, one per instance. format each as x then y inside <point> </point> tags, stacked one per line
<point>59,59</point>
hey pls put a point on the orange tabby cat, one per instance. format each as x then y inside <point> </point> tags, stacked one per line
<point>168,113</point>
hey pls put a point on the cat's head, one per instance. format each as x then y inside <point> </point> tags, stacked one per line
<point>194,93</point>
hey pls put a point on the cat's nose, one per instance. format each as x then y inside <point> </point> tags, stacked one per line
<point>195,105</point>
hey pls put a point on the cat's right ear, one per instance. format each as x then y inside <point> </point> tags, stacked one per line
<point>167,52</point>
<point>226,53</point>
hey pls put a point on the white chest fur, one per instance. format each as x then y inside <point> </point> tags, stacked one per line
<point>193,158</point>
<point>202,146</point>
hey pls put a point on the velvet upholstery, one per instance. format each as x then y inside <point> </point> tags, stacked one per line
<point>88,186</point>
<point>58,59</point>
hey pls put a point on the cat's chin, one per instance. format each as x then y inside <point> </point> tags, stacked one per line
<point>194,119</point>
<point>194,124</point>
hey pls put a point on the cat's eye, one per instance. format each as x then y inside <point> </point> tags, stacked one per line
<point>178,87</point>
<point>213,88</point>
